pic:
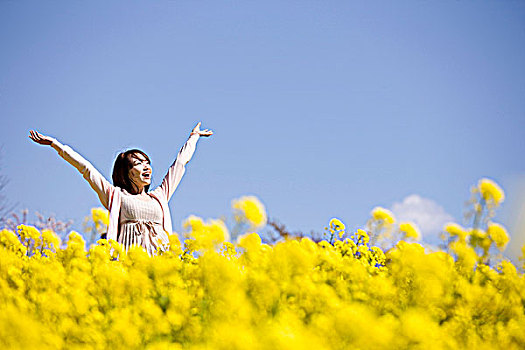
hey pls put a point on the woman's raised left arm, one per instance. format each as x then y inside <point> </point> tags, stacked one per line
<point>178,168</point>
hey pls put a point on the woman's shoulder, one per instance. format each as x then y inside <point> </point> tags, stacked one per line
<point>157,193</point>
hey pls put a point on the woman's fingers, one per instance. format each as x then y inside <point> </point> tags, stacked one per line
<point>39,138</point>
<point>197,127</point>
<point>32,135</point>
<point>36,135</point>
<point>206,132</point>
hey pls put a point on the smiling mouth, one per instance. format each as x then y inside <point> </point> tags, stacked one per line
<point>146,175</point>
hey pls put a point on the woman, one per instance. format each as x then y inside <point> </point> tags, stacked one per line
<point>136,215</point>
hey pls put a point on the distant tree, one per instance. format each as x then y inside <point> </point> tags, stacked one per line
<point>278,231</point>
<point>41,222</point>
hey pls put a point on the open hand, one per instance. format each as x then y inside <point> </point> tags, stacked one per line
<point>39,138</point>
<point>205,132</point>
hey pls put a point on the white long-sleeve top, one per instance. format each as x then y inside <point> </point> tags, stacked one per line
<point>111,196</point>
<point>140,223</point>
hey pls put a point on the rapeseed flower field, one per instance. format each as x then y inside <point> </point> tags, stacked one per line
<point>376,288</point>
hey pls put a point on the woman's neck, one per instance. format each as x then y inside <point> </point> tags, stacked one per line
<point>139,191</point>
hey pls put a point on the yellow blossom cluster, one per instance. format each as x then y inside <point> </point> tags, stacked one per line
<point>251,210</point>
<point>384,215</point>
<point>204,235</point>
<point>336,227</point>
<point>490,191</point>
<point>410,230</point>
<point>209,293</point>
<point>485,240</point>
<point>295,294</point>
<point>96,225</point>
<point>455,230</point>
<point>498,235</point>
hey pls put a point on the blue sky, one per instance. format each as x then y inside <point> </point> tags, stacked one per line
<point>320,109</point>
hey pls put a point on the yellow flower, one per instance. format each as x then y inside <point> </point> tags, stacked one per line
<point>337,226</point>
<point>203,235</point>
<point>491,191</point>
<point>174,245</point>
<point>467,256</point>
<point>410,230</point>
<point>218,231</point>
<point>362,236</point>
<point>285,295</point>
<point>50,239</point>
<point>379,255</point>
<point>249,208</point>
<point>28,232</point>
<point>250,241</point>
<point>456,230</point>
<point>385,215</point>
<point>9,240</point>
<point>324,244</point>
<point>194,223</point>
<point>76,244</point>
<point>478,233</point>
<point>100,215</point>
<point>498,234</point>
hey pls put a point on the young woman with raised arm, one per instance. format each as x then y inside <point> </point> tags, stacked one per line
<point>137,216</point>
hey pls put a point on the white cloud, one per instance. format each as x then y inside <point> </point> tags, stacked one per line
<point>427,214</point>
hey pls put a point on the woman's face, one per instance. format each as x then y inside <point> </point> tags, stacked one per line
<point>140,173</point>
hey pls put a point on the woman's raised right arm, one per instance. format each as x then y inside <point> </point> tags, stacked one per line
<point>98,182</point>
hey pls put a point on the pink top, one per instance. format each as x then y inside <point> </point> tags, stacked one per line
<point>140,223</point>
<point>111,196</point>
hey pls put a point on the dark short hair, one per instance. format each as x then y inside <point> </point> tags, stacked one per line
<point>121,168</point>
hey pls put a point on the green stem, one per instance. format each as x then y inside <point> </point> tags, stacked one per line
<point>477,217</point>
